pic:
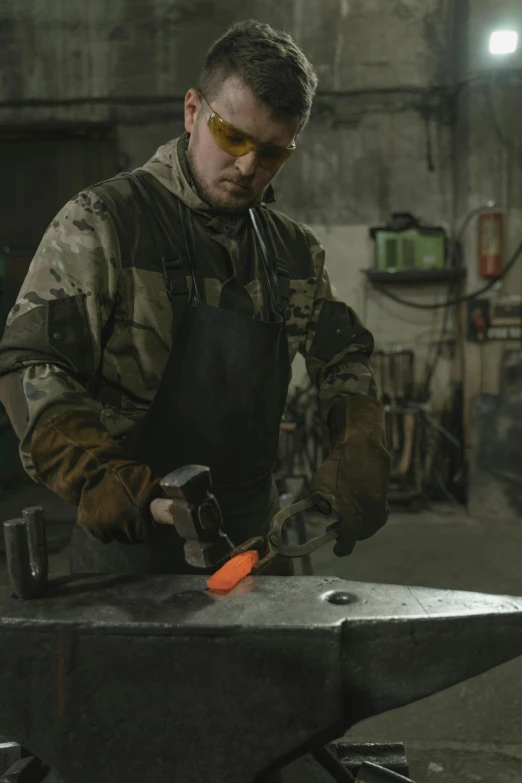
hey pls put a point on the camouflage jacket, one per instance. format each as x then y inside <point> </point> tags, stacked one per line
<point>92,326</point>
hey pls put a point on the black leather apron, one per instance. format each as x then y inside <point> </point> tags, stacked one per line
<point>219,403</point>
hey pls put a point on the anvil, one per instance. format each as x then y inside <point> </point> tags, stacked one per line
<point>123,678</point>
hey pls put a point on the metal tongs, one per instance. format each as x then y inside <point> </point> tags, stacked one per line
<point>271,545</point>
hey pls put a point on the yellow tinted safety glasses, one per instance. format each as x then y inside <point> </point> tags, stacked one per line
<point>237,143</point>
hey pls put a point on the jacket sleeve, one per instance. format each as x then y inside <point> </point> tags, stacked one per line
<point>52,344</point>
<point>336,347</point>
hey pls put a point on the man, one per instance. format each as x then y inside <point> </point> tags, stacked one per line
<point>159,319</point>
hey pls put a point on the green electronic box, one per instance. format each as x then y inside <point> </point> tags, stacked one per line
<point>405,245</point>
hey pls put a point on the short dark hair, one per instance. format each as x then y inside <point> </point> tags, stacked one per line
<point>268,61</point>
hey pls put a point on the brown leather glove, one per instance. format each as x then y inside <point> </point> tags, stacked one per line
<point>77,458</point>
<point>354,477</point>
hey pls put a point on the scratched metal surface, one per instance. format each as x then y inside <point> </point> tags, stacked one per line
<point>168,682</point>
<point>177,603</point>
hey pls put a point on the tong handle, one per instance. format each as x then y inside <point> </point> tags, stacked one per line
<point>272,545</point>
<point>276,529</point>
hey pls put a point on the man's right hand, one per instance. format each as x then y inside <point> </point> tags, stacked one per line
<point>118,507</point>
<point>77,458</point>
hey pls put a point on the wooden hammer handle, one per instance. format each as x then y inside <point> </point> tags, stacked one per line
<point>163,510</point>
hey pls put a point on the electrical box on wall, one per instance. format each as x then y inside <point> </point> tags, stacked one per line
<point>405,245</point>
<point>495,319</point>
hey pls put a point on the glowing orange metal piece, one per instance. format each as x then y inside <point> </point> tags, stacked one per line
<point>233,571</point>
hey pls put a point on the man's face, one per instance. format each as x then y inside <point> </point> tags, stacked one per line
<point>232,184</point>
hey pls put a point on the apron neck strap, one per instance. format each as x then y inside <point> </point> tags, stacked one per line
<point>269,267</point>
<point>154,223</point>
<point>187,228</point>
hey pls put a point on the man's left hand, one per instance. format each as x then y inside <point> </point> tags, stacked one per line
<point>354,477</point>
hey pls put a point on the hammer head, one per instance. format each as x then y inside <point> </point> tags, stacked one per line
<point>191,483</point>
<point>197,516</point>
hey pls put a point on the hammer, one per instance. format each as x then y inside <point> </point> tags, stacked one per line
<point>194,511</point>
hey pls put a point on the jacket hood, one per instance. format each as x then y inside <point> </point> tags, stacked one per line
<point>169,166</point>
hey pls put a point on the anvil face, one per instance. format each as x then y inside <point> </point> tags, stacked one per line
<point>153,677</point>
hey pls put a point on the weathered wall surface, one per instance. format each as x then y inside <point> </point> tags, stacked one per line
<point>130,63</point>
<point>66,49</point>
<point>385,134</point>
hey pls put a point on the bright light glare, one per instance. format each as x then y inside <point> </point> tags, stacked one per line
<point>503,42</point>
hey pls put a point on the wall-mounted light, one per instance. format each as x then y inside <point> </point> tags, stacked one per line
<point>503,42</point>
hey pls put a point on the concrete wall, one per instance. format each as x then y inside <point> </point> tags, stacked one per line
<point>386,134</point>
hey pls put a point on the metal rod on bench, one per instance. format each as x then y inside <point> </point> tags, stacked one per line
<point>26,551</point>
